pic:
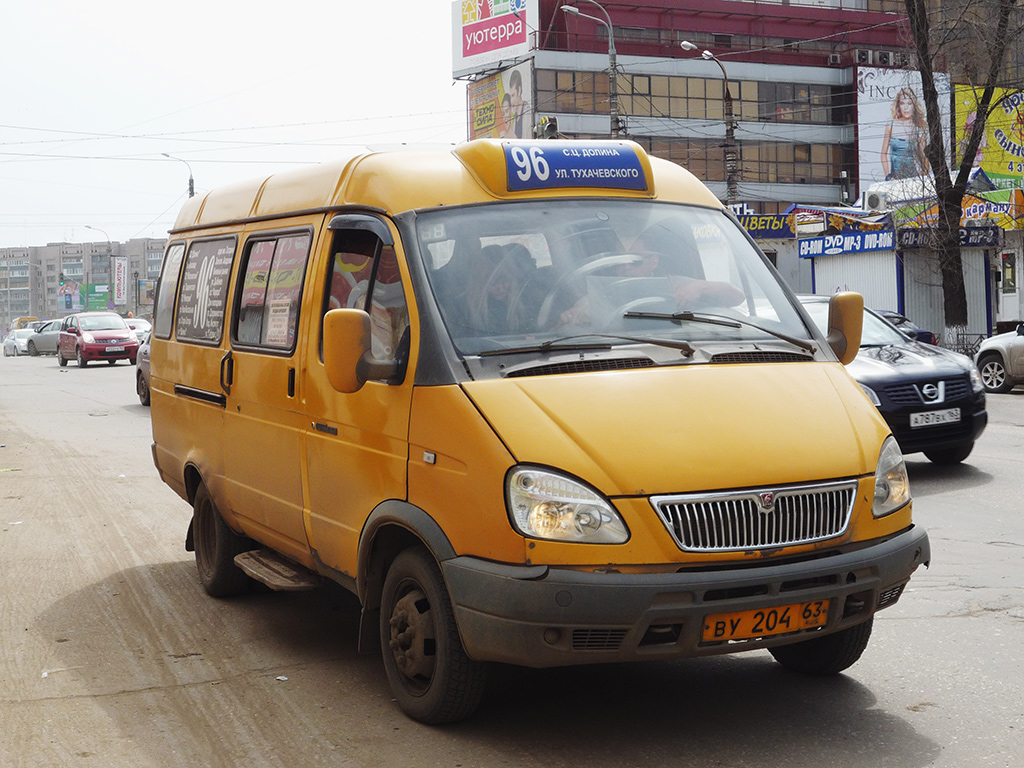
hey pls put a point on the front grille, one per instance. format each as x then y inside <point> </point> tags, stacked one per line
<point>910,394</point>
<point>597,639</point>
<point>890,596</point>
<point>761,517</point>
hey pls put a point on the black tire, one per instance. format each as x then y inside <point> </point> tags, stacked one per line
<point>993,374</point>
<point>111,362</point>
<point>953,455</point>
<point>82,362</point>
<point>60,358</point>
<point>133,360</point>
<point>828,655</point>
<point>430,675</point>
<point>216,547</point>
<point>32,349</point>
<point>142,388</point>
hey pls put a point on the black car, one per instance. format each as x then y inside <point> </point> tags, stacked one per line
<point>932,398</point>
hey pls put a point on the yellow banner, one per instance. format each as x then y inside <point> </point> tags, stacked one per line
<point>1001,153</point>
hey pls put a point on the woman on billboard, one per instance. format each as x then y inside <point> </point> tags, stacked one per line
<point>903,155</point>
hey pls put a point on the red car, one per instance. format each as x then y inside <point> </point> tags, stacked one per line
<point>90,336</point>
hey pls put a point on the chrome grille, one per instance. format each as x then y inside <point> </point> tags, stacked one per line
<point>760,517</point>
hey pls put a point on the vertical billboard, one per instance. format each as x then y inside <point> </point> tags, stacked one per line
<point>119,266</point>
<point>892,127</point>
<point>499,107</point>
<point>1001,152</point>
<point>485,32</point>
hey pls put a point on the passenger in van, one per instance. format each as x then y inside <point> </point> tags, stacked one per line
<point>664,251</point>
<point>501,292</point>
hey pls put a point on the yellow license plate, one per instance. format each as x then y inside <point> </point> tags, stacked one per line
<point>765,622</point>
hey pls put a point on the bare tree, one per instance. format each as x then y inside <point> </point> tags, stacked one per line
<point>971,37</point>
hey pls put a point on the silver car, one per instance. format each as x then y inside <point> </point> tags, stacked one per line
<point>1000,360</point>
<point>43,340</point>
<point>142,372</point>
<point>16,342</point>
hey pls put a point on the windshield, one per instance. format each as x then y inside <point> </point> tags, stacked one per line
<point>875,333</point>
<point>512,275</point>
<point>103,323</point>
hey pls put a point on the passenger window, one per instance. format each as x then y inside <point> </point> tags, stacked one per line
<point>365,275</point>
<point>204,290</point>
<point>164,309</point>
<point>271,292</point>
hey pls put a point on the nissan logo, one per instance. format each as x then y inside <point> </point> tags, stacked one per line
<point>930,391</point>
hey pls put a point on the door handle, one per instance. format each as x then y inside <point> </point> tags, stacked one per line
<point>227,372</point>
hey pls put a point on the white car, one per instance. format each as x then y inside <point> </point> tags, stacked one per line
<point>1000,361</point>
<point>140,327</point>
<point>16,342</point>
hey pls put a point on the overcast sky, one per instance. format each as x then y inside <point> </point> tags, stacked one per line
<point>92,95</point>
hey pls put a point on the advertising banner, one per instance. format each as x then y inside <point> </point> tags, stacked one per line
<point>119,267</point>
<point>96,297</point>
<point>768,226</point>
<point>1002,208</point>
<point>499,107</point>
<point>854,242</point>
<point>1001,152</point>
<point>485,32</point>
<point>892,124</point>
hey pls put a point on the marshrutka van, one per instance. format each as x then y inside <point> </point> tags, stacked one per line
<point>540,403</point>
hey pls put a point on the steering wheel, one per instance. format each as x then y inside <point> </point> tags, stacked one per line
<point>568,279</point>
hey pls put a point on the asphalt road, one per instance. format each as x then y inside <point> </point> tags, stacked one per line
<point>112,655</point>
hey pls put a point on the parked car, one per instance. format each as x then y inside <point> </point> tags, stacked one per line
<point>907,326</point>
<point>16,342</point>
<point>43,340</point>
<point>140,327</point>
<point>1000,360</point>
<point>89,336</point>
<point>932,398</point>
<point>142,372</point>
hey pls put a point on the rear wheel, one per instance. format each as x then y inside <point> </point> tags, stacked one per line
<point>993,374</point>
<point>430,675</point>
<point>82,362</point>
<point>828,655</point>
<point>60,358</point>
<point>216,547</point>
<point>111,362</point>
<point>953,455</point>
<point>142,387</point>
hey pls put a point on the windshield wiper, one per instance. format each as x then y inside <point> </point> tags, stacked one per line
<point>561,344</point>
<point>729,322</point>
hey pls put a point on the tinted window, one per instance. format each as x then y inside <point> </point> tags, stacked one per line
<point>204,289</point>
<point>269,299</point>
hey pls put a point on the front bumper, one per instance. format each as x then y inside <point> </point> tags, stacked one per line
<point>538,616</point>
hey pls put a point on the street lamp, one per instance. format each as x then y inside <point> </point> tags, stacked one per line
<point>731,192</point>
<point>110,254</point>
<point>191,183</point>
<point>136,274</point>
<point>613,88</point>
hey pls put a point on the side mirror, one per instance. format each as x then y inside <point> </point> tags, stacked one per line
<point>845,322</point>
<point>1020,329</point>
<point>347,351</point>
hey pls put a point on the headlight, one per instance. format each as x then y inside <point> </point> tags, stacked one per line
<point>892,486</point>
<point>88,338</point>
<point>872,396</point>
<point>976,384</point>
<point>546,505</point>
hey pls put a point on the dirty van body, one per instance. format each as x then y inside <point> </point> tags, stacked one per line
<point>542,403</point>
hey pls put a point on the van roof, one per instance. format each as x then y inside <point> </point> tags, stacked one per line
<point>479,171</point>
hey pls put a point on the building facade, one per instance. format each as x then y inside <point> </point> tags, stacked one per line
<point>55,280</point>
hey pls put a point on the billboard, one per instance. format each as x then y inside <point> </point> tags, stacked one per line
<point>485,32</point>
<point>120,270</point>
<point>892,125</point>
<point>499,107</point>
<point>1001,152</point>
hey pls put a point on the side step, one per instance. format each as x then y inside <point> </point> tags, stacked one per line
<point>268,567</point>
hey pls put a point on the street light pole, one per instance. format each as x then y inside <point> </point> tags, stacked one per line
<point>191,182</point>
<point>613,87</point>
<point>110,253</point>
<point>731,165</point>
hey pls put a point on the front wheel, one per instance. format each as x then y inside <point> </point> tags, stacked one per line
<point>430,675</point>
<point>952,455</point>
<point>216,547</point>
<point>993,374</point>
<point>142,388</point>
<point>32,349</point>
<point>828,655</point>
<point>82,362</point>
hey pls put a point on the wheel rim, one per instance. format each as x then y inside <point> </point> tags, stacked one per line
<point>992,375</point>
<point>413,641</point>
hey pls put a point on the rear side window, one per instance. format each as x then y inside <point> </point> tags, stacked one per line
<point>202,299</point>
<point>271,291</point>
<point>164,309</point>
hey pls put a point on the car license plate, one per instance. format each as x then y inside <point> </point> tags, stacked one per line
<point>765,622</point>
<point>934,418</point>
<point>115,349</point>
